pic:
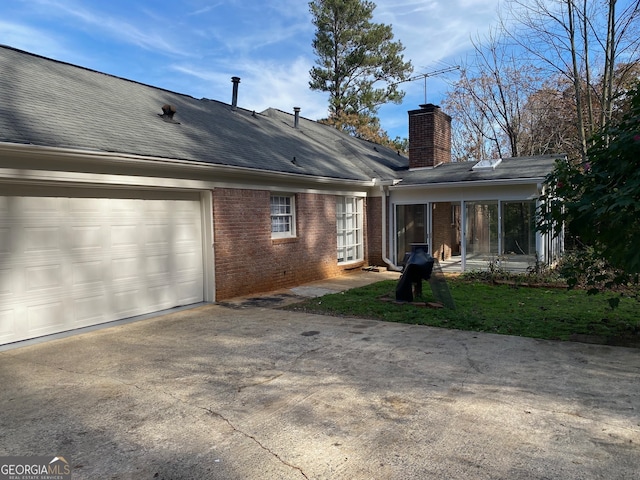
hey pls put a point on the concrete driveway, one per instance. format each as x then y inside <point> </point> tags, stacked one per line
<point>223,392</point>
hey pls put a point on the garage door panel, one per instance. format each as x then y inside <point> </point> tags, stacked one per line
<point>7,324</point>
<point>126,268</point>
<point>184,233</point>
<point>158,235</point>
<point>125,207</point>
<point>187,262</point>
<point>43,277</point>
<point>188,291</point>
<point>86,237</point>
<point>124,235</point>
<point>5,240</point>
<point>88,273</point>
<point>91,207</point>
<point>90,310</point>
<point>48,207</point>
<point>45,318</point>
<point>160,296</point>
<point>8,279</point>
<point>42,239</point>
<point>159,265</point>
<point>126,303</point>
<point>73,262</point>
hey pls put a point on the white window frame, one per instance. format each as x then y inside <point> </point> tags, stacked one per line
<point>283,219</point>
<point>350,230</point>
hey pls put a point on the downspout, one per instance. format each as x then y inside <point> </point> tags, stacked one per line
<point>463,235</point>
<point>390,264</point>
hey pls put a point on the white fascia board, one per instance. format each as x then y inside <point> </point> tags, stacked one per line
<point>475,183</point>
<point>79,179</point>
<point>45,177</point>
<point>244,175</point>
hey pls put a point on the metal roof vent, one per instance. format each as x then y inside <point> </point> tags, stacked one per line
<point>234,93</point>
<point>168,111</point>
<point>296,117</point>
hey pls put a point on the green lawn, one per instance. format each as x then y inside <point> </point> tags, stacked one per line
<point>550,313</point>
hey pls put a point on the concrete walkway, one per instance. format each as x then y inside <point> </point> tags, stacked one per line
<point>237,391</point>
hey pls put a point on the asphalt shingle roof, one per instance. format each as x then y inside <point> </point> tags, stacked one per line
<point>56,104</point>
<point>51,103</point>
<point>520,168</point>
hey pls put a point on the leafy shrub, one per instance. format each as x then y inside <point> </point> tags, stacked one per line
<point>497,270</point>
<point>585,269</point>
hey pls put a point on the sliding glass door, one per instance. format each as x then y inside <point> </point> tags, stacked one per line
<point>412,223</point>
<point>481,230</point>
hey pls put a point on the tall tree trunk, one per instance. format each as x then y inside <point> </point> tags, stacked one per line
<point>576,79</point>
<point>609,65</point>
<point>587,68</point>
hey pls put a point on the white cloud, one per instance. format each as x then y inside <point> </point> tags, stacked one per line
<point>283,86</point>
<point>204,10</point>
<point>437,30</point>
<point>249,27</point>
<point>117,28</point>
<point>263,84</point>
<point>30,39</point>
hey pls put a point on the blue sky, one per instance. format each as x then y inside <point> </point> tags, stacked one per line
<point>195,46</point>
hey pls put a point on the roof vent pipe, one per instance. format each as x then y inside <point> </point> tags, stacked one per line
<point>296,117</point>
<point>168,111</point>
<point>234,97</point>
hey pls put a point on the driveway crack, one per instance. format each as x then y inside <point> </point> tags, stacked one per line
<point>212,412</point>
<point>255,440</point>
<point>472,363</point>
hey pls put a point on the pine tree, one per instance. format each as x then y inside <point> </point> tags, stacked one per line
<point>357,63</point>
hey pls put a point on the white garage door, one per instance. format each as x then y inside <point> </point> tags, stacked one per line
<point>71,262</point>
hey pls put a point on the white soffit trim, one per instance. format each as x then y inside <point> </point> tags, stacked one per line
<point>115,159</point>
<point>80,179</point>
<point>474,183</point>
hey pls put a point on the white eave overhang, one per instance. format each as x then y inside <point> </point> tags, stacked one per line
<point>225,172</point>
<point>471,183</point>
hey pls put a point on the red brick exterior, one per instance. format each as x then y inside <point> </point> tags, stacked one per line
<point>373,229</point>
<point>429,137</point>
<point>248,260</point>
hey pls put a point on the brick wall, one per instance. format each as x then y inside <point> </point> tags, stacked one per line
<point>373,229</point>
<point>429,137</point>
<point>249,261</point>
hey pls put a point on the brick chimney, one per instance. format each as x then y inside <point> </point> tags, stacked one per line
<point>429,137</point>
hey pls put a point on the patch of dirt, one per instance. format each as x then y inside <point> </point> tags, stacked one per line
<point>310,333</point>
<point>432,305</point>
<point>271,301</point>
<point>631,341</point>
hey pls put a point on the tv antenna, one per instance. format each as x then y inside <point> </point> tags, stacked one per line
<point>424,76</point>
